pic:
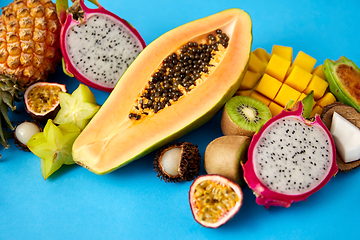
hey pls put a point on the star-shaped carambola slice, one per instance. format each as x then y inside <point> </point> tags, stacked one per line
<point>53,146</point>
<point>77,108</point>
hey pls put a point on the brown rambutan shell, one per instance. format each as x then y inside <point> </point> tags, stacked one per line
<point>189,164</point>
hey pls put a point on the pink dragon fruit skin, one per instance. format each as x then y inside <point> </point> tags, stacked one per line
<point>267,191</point>
<point>69,66</point>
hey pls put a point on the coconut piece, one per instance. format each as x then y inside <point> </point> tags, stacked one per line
<point>350,114</point>
<point>177,162</point>
<point>346,137</point>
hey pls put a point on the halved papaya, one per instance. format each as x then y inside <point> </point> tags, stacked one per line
<point>152,105</point>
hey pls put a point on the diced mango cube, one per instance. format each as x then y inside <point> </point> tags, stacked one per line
<point>255,64</point>
<point>318,71</point>
<point>275,108</point>
<point>277,67</point>
<point>304,61</point>
<point>268,86</point>
<point>316,110</point>
<point>319,86</point>
<point>327,99</point>
<point>282,51</point>
<point>285,94</point>
<point>262,54</point>
<point>260,97</point>
<point>243,92</point>
<point>302,96</point>
<point>250,80</point>
<point>298,79</point>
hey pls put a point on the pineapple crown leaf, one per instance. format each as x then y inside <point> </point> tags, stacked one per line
<point>8,99</point>
<point>9,92</point>
<point>3,110</point>
<point>8,84</point>
<point>2,137</point>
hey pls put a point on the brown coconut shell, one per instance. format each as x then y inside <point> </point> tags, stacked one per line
<point>353,116</point>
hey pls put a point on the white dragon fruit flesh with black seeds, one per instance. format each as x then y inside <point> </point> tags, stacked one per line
<point>98,47</point>
<point>289,159</point>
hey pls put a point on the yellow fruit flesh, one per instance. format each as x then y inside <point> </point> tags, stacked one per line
<point>250,79</point>
<point>327,99</point>
<point>275,108</point>
<point>285,94</point>
<point>316,110</point>
<point>318,71</point>
<point>318,85</point>
<point>43,98</point>
<point>304,61</point>
<point>262,54</point>
<point>268,86</point>
<point>29,40</point>
<point>213,200</point>
<point>260,97</point>
<point>255,64</point>
<point>277,67</point>
<point>282,82</point>
<point>282,51</point>
<point>298,79</point>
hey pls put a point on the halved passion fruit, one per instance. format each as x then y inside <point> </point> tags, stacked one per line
<point>42,100</point>
<point>214,200</point>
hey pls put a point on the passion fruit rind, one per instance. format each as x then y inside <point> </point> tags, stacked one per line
<point>214,200</point>
<point>189,165</point>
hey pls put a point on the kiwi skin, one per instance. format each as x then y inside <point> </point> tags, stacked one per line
<point>228,127</point>
<point>235,121</point>
<point>224,155</point>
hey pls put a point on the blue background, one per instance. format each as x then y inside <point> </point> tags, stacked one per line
<point>132,203</point>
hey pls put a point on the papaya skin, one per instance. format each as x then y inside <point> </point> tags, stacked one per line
<point>343,77</point>
<point>111,140</point>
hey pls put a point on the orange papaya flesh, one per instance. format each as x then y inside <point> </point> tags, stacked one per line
<point>112,139</point>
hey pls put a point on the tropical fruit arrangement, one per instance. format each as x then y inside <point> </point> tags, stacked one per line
<point>288,126</point>
<point>274,79</point>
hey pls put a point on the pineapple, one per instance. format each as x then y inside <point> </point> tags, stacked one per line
<point>29,49</point>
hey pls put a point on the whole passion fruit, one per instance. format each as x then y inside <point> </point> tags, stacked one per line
<point>42,100</point>
<point>214,200</point>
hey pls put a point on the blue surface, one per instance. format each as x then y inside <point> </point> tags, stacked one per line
<point>132,203</point>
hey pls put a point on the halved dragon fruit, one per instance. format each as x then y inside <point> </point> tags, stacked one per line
<point>97,45</point>
<point>289,159</point>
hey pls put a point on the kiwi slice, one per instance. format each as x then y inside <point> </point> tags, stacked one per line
<point>244,115</point>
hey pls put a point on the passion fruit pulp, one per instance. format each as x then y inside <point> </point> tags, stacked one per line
<point>214,200</point>
<point>42,100</point>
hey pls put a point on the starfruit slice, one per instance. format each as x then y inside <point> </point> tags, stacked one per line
<point>53,146</point>
<point>77,108</point>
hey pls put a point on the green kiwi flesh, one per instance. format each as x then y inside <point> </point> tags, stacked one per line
<point>247,112</point>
